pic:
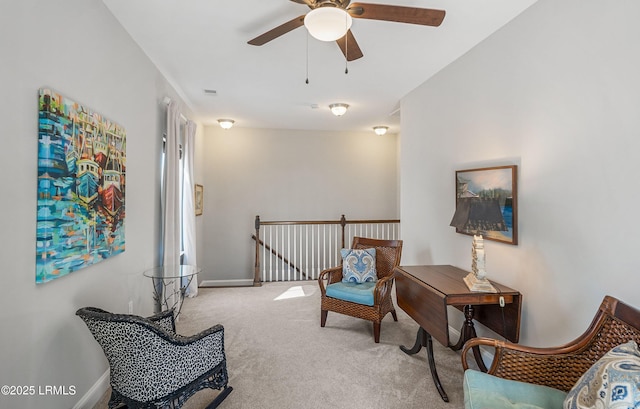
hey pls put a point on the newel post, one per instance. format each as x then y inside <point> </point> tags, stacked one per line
<point>257,282</point>
<point>343,223</point>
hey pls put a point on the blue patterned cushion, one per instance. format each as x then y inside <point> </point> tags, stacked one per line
<point>359,266</point>
<point>613,382</point>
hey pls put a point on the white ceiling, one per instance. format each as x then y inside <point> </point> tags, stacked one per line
<point>202,44</point>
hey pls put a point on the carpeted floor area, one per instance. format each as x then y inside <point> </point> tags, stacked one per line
<point>278,356</point>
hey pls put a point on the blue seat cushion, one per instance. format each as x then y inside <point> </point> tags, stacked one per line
<point>483,391</point>
<point>359,293</point>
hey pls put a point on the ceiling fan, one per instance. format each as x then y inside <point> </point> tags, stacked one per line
<point>339,13</point>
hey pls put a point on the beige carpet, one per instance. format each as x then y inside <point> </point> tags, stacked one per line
<point>278,356</point>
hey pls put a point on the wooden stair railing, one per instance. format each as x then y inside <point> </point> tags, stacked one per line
<point>280,256</point>
<point>304,248</point>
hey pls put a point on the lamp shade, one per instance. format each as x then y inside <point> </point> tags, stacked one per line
<point>475,214</point>
<point>328,23</point>
<point>338,109</point>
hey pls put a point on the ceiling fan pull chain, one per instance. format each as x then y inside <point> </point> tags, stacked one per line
<point>346,45</point>
<point>346,52</point>
<point>307,80</point>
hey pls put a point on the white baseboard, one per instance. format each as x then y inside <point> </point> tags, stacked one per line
<point>248,282</point>
<point>94,393</point>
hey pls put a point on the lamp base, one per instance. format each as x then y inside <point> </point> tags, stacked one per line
<point>476,284</point>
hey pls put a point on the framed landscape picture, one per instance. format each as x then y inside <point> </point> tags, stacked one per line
<point>499,182</point>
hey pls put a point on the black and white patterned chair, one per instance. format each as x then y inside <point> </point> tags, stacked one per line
<point>153,367</point>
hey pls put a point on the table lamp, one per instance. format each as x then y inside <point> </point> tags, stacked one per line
<point>478,215</point>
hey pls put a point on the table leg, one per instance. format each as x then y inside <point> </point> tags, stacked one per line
<point>467,332</point>
<point>423,338</point>
<point>420,342</point>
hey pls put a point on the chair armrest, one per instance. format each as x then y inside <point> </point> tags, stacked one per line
<point>331,275</point>
<point>186,340</point>
<point>382,289</point>
<point>164,319</point>
<point>558,367</point>
<point>182,340</point>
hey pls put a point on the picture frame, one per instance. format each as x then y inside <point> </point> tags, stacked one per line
<point>198,199</point>
<point>493,182</point>
<point>81,187</point>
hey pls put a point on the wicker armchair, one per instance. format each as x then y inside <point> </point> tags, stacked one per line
<point>388,254</point>
<point>153,367</point>
<point>560,368</point>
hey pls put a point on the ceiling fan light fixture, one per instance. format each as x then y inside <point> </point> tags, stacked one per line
<point>380,130</point>
<point>338,109</point>
<point>328,23</point>
<point>226,123</point>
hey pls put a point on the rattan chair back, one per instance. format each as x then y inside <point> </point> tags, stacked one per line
<point>388,253</point>
<point>560,367</point>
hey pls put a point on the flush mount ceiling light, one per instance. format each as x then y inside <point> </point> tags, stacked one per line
<point>380,130</point>
<point>226,123</point>
<point>328,23</point>
<point>338,109</point>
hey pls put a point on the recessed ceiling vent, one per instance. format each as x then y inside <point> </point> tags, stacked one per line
<point>212,92</point>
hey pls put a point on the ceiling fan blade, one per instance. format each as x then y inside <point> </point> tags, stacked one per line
<point>307,2</point>
<point>348,44</point>
<point>400,14</point>
<point>278,31</point>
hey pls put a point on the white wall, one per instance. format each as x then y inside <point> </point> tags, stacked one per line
<point>557,92</point>
<point>77,48</point>
<point>560,99</point>
<point>288,175</point>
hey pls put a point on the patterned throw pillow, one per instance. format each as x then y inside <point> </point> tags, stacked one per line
<point>359,266</point>
<point>613,382</point>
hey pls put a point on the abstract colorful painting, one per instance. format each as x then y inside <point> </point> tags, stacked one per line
<point>81,186</point>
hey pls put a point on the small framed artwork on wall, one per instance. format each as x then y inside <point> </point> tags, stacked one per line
<point>497,183</point>
<point>199,199</point>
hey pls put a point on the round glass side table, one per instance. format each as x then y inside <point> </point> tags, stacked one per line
<point>170,284</point>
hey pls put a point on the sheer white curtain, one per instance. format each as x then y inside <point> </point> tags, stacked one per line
<point>171,224</point>
<point>188,205</point>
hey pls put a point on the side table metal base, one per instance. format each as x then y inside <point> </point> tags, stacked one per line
<point>170,284</point>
